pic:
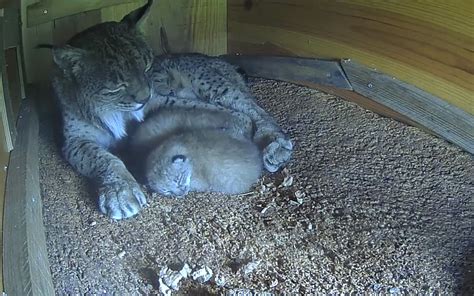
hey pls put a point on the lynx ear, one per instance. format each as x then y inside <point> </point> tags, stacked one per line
<point>68,56</point>
<point>136,17</point>
<point>183,167</point>
<point>179,158</point>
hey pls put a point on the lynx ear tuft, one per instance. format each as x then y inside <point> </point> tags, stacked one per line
<point>136,17</point>
<point>69,57</point>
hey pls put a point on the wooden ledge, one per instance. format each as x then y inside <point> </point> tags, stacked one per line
<point>25,258</point>
<point>370,89</point>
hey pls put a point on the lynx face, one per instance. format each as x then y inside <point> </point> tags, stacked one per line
<point>170,175</point>
<point>108,66</point>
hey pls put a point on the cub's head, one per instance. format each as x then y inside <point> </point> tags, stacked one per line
<point>169,173</point>
<point>106,66</point>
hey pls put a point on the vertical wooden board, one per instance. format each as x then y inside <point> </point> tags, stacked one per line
<point>11,19</point>
<point>191,26</point>
<point>4,158</point>
<point>175,18</point>
<point>14,79</point>
<point>6,110</point>
<point>38,62</point>
<point>66,27</point>
<point>117,12</point>
<point>416,41</point>
<point>26,267</point>
<point>209,27</point>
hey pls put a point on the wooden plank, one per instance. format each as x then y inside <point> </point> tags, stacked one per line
<point>49,10</point>
<point>209,27</point>
<point>6,109</point>
<point>26,268</point>
<point>11,21</point>
<point>66,27</point>
<point>6,3</point>
<point>14,80</point>
<point>314,71</point>
<point>287,69</point>
<point>191,26</point>
<point>427,44</point>
<point>4,158</point>
<point>21,67</point>
<point>444,119</point>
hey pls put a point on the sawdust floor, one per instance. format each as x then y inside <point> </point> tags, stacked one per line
<point>375,206</point>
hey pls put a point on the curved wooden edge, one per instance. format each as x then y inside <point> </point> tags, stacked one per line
<point>305,70</point>
<point>371,90</point>
<point>26,267</point>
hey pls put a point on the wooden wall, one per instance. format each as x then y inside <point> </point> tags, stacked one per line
<point>191,25</point>
<point>426,43</point>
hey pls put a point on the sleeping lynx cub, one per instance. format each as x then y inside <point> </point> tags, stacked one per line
<point>203,160</point>
<point>107,77</point>
<point>197,150</point>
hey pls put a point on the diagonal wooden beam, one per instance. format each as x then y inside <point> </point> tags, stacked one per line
<point>304,70</point>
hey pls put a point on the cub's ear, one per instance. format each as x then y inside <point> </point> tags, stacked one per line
<point>136,17</point>
<point>68,56</point>
<point>179,158</point>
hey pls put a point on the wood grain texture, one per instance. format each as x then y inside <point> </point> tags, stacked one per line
<point>365,103</point>
<point>14,79</point>
<point>4,158</point>
<point>310,71</point>
<point>6,108</point>
<point>427,44</point>
<point>444,119</point>
<point>191,26</point>
<point>66,27</point>
<point>288,69</point>
<point>50,10</point>
<point>26,268</point>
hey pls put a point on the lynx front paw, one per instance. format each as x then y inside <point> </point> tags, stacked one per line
<point>276,154</point>
<point>121,199</point>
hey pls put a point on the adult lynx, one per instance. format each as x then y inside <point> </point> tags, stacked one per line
<point>107,77</point>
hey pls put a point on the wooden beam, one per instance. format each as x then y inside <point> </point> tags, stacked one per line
<point>444,119</point>
<point>26,267</point>
<point>427,44</point>
<point>365,103</point>
<point>6,109</point>
<point>49,10</point>
<point>4,158</point>
<point>305,71</point>
<point>374,91</point>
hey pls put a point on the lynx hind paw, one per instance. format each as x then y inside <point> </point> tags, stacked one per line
<point>121,200</point>
<point>277,154</point>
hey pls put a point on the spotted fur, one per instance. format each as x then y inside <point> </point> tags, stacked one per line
<point>107,77</point>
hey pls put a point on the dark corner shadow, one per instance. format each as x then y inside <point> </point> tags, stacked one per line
<point>467,271</point>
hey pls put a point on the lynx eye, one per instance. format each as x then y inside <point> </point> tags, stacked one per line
<point>114,91</point>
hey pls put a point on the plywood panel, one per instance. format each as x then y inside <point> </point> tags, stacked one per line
<point>191,26</point>
<point>50,10</point>
<point>66,27</point>
<point>428,44</point>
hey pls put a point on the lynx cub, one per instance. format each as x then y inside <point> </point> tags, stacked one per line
<point>197,150</point>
